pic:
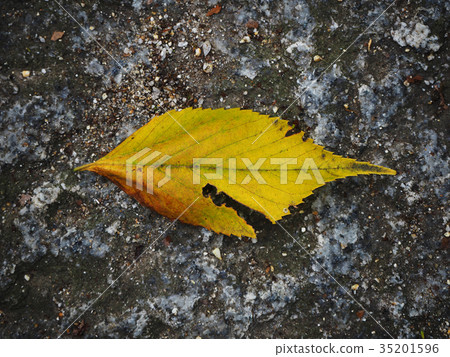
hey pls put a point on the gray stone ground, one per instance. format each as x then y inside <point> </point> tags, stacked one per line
<point>65,237</point>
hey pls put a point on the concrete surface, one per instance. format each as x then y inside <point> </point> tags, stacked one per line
<point>65,237</point>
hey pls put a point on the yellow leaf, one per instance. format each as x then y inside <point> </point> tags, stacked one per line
<point>166,163</point>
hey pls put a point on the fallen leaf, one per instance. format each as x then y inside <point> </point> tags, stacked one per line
<point>268,175</point>
<point>215,10</point>
<point>57,35</point>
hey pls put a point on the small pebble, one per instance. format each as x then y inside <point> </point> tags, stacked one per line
<point>207,67</point>
<point>27,277</point>
<point>206,48</point>
<point>216,252</point>
<point>198,52</point>
<point>26,74</point>
<point>245,39</point>
<point>317,58</point>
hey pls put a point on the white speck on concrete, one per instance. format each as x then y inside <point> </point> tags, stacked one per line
<point>112,229</point>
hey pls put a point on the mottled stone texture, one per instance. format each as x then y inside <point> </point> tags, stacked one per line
<point>66,237</point>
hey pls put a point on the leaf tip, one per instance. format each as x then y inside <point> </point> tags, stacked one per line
<point>83,167</point>
<point>389,171</point>
<point>366,168</point>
